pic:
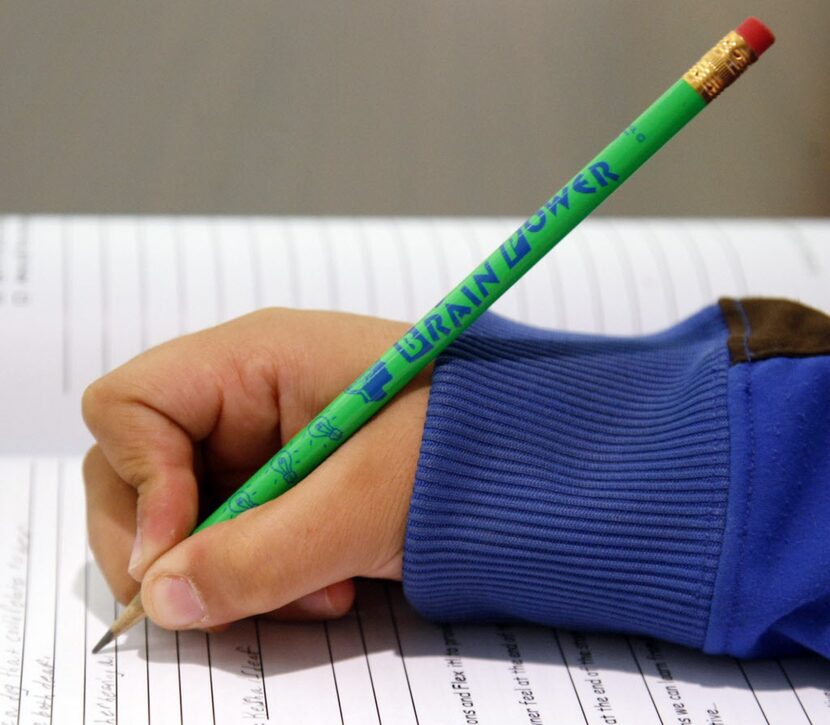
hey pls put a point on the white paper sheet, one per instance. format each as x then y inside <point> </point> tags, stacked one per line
<point>79,296</point>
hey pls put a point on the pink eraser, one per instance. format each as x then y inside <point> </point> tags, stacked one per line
<point>757,35</point>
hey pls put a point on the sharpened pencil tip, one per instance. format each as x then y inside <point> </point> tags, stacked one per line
<point>103,642</point>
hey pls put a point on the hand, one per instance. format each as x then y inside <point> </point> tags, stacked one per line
<point>181,426</point>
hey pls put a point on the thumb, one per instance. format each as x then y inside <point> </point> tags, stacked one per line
<point>293,548</point>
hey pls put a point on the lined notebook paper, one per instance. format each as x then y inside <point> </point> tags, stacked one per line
<point>79,296</point>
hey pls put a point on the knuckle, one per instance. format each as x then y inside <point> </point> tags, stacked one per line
<point>196,557</point>
<point>208,567</point>
<point>236,560</point>
<point>267,316</point>
<point>136,470</point>
<point>242,572</point>
<point>94,402</point>
<point>216,573</point>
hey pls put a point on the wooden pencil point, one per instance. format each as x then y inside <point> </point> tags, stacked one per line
<point>132,614</point>
<point>103,642</point>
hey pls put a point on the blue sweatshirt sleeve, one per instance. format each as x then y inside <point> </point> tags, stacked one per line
<point>674,485</point>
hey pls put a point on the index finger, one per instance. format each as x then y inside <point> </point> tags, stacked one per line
<point>148,414</point>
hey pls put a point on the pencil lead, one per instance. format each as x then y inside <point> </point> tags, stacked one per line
<point>103,642</point>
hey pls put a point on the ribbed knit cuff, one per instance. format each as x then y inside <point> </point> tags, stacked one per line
<point>573,480</point>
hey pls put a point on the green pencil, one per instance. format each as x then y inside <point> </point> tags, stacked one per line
<point>489,281</point>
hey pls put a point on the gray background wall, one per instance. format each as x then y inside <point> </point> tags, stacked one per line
<point>453,107</point>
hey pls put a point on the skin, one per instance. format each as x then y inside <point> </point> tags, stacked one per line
<point>181,426</point>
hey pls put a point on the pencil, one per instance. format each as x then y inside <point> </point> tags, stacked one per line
<point>545,228</point>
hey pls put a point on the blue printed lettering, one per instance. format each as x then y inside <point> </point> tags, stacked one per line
<point>468,293</point>
<point>560,199</point>
<point>530,226</point>
<point>439,324</point>
<point>581,185</point>
<point>457,312</point>
<point>483,279</point>
<point>413,345</point>
<point>515,249</point>
<point>602,173</point>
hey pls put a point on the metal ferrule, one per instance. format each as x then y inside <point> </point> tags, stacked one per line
<point>720,67</point>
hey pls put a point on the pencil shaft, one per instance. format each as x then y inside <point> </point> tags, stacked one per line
<point>464,304</point>
<point>453,314</point>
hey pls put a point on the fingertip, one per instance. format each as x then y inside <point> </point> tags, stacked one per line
<point>341,597</point>
<point>166,513</point>
<point>331,602</point>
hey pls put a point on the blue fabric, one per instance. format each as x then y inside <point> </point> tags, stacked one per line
<point>773,590</point>
<point>574,480</point>
<point>636,485</point>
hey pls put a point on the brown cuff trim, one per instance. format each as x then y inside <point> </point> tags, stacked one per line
<point>761,328</point>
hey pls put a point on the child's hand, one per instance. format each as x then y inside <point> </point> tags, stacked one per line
<point>180,427</point>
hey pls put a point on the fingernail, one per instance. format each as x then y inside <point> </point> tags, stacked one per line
<point>175,602</point>
<point>135,556</point>
<point>316,604</point>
